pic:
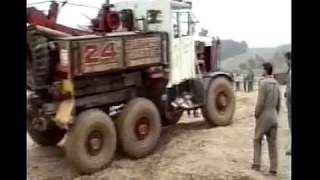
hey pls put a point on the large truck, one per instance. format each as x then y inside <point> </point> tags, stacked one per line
<point>114,87</point>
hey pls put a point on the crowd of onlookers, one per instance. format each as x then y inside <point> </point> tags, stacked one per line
<point>266,111</point>
<point>245,82</point>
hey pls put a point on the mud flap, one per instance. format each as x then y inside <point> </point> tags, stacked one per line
<point>64,113</point>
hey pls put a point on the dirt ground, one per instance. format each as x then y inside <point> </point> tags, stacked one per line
<point>191,150</point>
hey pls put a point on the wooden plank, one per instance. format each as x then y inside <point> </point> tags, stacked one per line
<point>143,50</point>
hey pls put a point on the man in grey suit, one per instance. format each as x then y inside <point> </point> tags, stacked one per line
<point>288,93</point>
<point>266,112</point>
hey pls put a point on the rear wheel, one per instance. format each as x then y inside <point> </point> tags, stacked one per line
<point>30,79</point>
<point>40,59</point>
<point>172,117</point>
<point>49,137</point>
<point>91,144</point>
<point>168,114</point>
<point>219,104</point>
<point>138,128</point>
<point>43,131</point>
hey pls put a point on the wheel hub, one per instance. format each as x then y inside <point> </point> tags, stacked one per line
<point>40,123</point>
<point>142,129</point>
<point>222,102</point>
<point>94,143</point>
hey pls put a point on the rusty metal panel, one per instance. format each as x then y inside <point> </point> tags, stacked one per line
<point>142,50</point>
<point>102,54</point>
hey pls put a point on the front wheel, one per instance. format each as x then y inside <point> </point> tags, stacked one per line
<point>219,106</point>
<point>91,144</point>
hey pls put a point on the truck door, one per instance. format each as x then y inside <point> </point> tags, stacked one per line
<point>182,49</point>
<point>187,48</point>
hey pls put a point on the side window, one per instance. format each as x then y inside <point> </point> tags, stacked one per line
<point>185,24</point>
<point>175,25</point>
<point>182,24</point>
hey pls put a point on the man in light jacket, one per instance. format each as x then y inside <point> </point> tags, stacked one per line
<point>266,112</point>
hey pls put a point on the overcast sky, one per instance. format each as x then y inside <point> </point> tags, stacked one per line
<point>261,23</point>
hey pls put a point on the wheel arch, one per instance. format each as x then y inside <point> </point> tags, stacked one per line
<point>219,74</point>
<point>207,78</point>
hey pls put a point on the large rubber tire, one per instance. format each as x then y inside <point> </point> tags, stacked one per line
<point>213,112</point>
<point>172,117</point>
<point>30,80</point>
<point>40,59</point>
<point>139,112</point>
<point>79,150</point>
<point>50,137</point>
<point>154,92</point>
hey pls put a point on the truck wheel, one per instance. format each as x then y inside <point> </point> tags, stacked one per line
<point>49,136</point>
<point>40,59</point>
<point>30,79</point>
<point>154,92</point>
<point>139,127</point>
<point>172,117</point>
<point>91,143</point>
<point>219,104</point>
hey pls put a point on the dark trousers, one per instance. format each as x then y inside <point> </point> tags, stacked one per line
<point>195,113</point>
<point>237,86</point>
<point>250,86</point>
<point>245,86</point>
<point>272,148</point>
<point>289,117</point>
<point>289,113</point>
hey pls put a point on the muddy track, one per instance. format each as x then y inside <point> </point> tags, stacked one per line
<point>190,150</point>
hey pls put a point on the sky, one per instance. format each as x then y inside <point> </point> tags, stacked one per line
<point>261,23</point>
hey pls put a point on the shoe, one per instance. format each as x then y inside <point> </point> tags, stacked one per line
<point>255,167</point>
<point>273,173</point>
<point>288,153</point>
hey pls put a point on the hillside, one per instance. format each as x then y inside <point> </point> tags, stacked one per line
<point>273,55</point>
<point>230,48</point>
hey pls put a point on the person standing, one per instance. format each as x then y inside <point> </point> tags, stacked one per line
<point>288,94</point>
<point>250,80</point>
<point>245,82</point>
<point>266,112</point>
<point>237,79</point>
